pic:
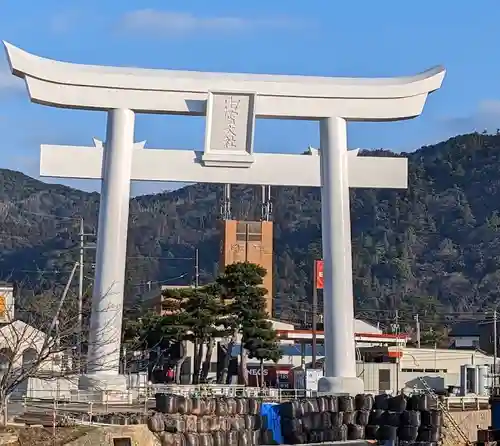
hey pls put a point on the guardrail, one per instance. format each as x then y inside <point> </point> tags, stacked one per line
<point>139,394</point>
<point>206,390</point>
<point>144,396</point>
<point>470,402</point>
<point>140,400</point>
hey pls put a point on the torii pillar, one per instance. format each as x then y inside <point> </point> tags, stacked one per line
<point>230,102</point>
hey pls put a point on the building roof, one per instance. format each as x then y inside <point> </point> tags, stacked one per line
<point>361,326</point>
<point>416,354</point>
<point>19,336</point>
<point>289,350</point>
<point>465,329</point>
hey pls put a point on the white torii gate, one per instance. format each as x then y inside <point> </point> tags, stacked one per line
<point>230,102</point>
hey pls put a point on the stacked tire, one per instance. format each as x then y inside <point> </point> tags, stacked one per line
<point>325,419</point>
<point>184,421</point>
<point>411,421</point>
<point>121,418</point>
<point>414,420</point>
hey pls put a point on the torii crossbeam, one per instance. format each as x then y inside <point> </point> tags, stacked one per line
<point>231,103</point>
<point>185,166</point>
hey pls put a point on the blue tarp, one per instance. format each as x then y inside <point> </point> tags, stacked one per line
<point>273,420</point>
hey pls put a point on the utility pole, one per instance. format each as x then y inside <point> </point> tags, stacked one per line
<point>225,208</point>
<point>417,323</point>
<point>55,320</point>
<point>80,296</point>
<point>267,206</point>
<point>314,313</point>
<point>124,356</point>
<point>83,246</point>
<point>303,366</point>
<point>495,342</point>
<point>398,360</point>
<point>196,269</point>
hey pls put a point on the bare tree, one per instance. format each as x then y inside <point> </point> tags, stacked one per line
<point>38,344</point>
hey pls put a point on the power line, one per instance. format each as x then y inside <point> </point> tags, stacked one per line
<point>41,271</point>
<point>54,217</point>
<point>160,258</point>
<point>143,283</point>
<point>304,316</point>
<point>159,282</point>
<point>459,315</point>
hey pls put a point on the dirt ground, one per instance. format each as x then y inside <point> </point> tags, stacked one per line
<point>39,436</point>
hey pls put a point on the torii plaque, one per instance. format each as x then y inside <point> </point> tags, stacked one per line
<point>230,102</point>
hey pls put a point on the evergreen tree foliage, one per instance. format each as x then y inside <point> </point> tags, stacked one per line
<point>241,284</point>
<point>234,304</point>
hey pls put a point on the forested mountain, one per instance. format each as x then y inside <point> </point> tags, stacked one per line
<point>433,249</point>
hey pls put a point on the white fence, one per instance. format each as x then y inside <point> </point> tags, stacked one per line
<point>471,402</point>
<point>82,407</point>
<point>143,395</point>
<point>138,395</point>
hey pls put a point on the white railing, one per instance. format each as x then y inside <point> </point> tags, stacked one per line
<point>207,390</point>
<point>80,396</point>
<point>143,395</point>
<point>469,402</point>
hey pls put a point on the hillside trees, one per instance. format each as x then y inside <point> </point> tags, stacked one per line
<point>438,239</point>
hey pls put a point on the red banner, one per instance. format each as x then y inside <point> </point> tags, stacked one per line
<point>319,274</point>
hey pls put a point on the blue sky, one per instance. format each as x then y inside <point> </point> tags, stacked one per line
<point>325,37</point>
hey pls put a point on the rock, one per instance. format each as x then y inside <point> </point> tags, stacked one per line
<point>8,438</point>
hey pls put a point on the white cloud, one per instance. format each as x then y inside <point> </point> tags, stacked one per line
<point>169,22</point>
<point>63,22</point>
<point>485,117</point>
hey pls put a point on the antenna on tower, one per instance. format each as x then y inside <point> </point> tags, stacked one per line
<point>225,208</point>
<point>267,205</point>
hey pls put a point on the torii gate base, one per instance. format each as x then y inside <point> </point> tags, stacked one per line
<point>230,103</point>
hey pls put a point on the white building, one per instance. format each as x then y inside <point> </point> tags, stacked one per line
<point>22,348</point>
<point>393,368</point>
<point>465,335</point>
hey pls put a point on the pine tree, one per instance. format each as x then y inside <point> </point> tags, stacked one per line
<point>241,283</point>
<point>259,339</point>
<point>205,320</point>
<point>240,286</point>
<point>159,336</point>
